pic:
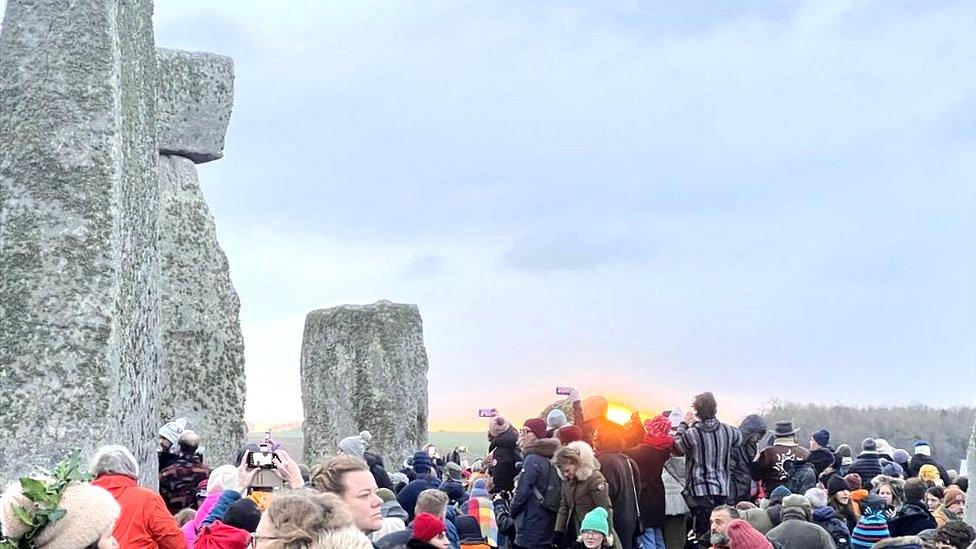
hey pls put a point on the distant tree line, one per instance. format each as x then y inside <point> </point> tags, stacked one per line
<point>948,430</point>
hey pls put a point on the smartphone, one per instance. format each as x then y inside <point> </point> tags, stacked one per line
<point>262,458</point>
<point>487,412</point>
<point>565,391</point>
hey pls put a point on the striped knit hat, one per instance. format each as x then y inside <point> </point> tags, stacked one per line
<point>871,528</point>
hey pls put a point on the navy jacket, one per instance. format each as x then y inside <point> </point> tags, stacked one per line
<point>868,465</point>
<point>408,496</point>
<point>534,525</point>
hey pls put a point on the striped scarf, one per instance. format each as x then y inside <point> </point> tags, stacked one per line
<point>483,510</point>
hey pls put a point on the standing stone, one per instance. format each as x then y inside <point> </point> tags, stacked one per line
<point>79,276</point>
<point>364,367</point>
<point>203,349</point>
<point>202,346</point>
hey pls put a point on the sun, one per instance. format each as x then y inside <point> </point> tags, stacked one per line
<point>618,414</point>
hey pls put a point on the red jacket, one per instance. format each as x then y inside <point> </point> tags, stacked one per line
<point>144,523</point>
<point>220,536</point>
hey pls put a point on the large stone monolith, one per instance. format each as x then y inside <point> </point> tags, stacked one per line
<point>79,276</point>
<point>365,367</point>
<point>202,349</point>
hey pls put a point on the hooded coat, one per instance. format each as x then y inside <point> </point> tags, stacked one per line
<point>826,518</point>
<point>144,522</point>
<point>918,460</point>
<point>220,536</point>
<point>740,478</point>
<point>533,523</point>
<point>584,492</point>
<point>378,469</point>
<point>623,476</point>
<point>504,455</point>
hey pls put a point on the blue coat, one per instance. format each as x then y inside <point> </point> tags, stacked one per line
<point>534,525</point>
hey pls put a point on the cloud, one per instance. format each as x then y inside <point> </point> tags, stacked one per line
<point>575,248</point>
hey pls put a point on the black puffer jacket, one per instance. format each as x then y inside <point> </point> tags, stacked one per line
<point>868,466</point>
<point>504,456</point>
<point>911,518</point>
<point>534,525</point>
<point>752,428</point>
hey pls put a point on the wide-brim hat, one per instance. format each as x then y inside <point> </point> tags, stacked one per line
<point>784,429</point>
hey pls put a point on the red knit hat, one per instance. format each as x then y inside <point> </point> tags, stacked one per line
<point>537,426</point>
<point>569,433</point>
<point>426,527</point>
<point>743,536</point>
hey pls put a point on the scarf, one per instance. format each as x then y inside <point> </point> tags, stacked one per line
<point>658,433</point>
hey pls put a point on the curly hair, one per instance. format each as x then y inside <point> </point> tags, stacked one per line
<point>300,518</point>
<point>329,476</point>
<point>955,533</point>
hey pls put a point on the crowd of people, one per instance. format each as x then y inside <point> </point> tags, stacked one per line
<point>568,480</point>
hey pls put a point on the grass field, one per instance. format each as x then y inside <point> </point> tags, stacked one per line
<point>445,441</point>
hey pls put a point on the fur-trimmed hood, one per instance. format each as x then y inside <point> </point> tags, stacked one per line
<point>347,537</point>
<point>582,455</point>
<point>545,447</point>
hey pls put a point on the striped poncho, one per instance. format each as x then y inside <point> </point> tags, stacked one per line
<point>480,507</point>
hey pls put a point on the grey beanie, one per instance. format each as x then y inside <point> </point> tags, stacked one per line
<point>356,446</point>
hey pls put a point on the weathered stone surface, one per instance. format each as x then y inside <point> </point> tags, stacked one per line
<point>196,94</point>
<point>364,367</point>
<point>202,349</point>
<point>79,300</point>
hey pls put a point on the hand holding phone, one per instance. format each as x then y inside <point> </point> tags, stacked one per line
<point>487,412</point>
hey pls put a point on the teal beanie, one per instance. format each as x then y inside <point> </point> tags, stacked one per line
<point>596,520</point>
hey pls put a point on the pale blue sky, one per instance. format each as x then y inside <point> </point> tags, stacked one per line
<point>649,199</point>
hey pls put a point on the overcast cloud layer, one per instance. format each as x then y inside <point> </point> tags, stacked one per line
<point>646,199</point>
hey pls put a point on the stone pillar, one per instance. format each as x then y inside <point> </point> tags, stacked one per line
<point>202,347</point>
<point>364,367</point>
<point>79,276</point>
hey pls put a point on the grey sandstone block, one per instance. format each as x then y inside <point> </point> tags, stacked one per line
<point>202,347</point>
<point>196,95</point>
<point>365,367</point>
<point>79,294</point>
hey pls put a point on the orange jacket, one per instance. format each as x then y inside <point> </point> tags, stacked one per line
<point>144,523</point>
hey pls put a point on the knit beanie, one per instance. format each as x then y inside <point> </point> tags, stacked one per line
<point>385,494</point>
<point>929,472</point>
<point>537,426</point>
<point>797,506</point>
<point>853,481</point>
<point>901,457</point>
<point>882,446</point>
<point>596,520</point>
<point>172,430</point>
<point>922,447</point>
<point>556,419</point>
<point>479,489</point>
<point>498,425</point>
<point>243,514</point>
<point>892,469</point>
<point>817,497</point>
<point>427,527</point>
<point>870,529</point>
<point>90,511</point>
<point>743,536</point>
<point>422,463</point>
<point>869,445</point>
<point>569,433</point>
<point>779,493</point>
<point>953,495</point>
<point>822,437</point>
<point>836,484</point>
<point>356,446</point>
